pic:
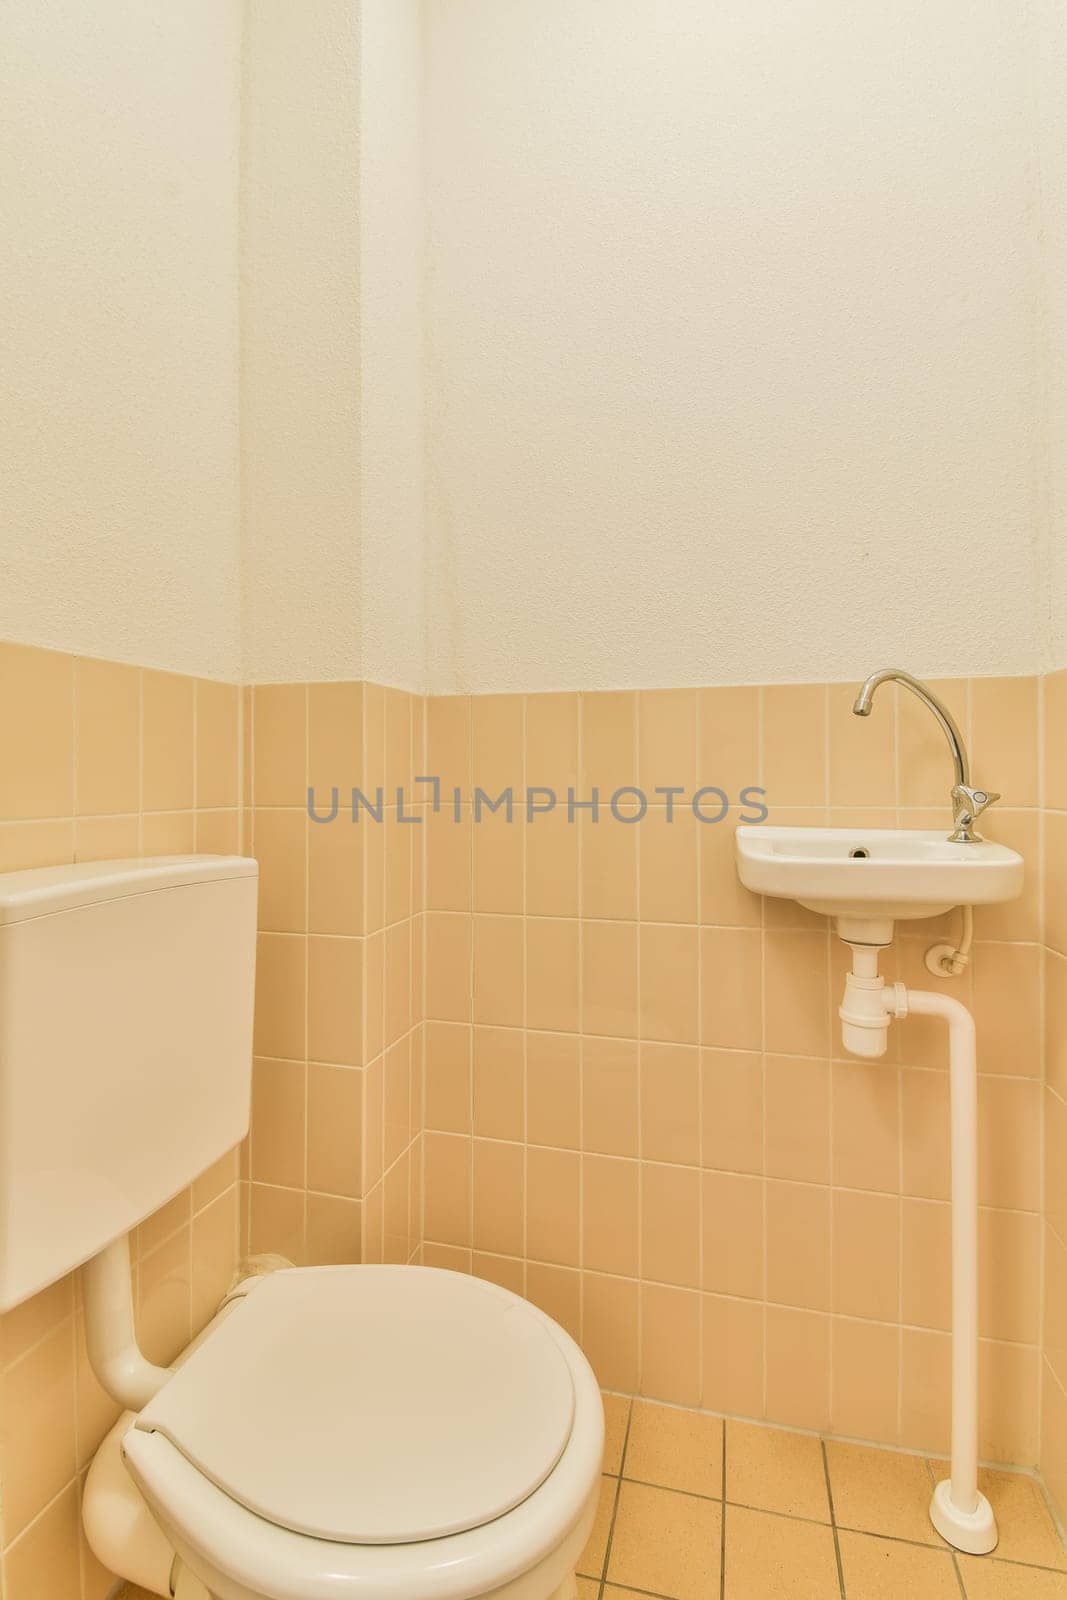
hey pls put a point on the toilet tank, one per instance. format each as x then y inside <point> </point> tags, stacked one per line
<point>126,994</point>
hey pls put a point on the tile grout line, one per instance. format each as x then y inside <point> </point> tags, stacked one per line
<point>722,1514</point>
<point>615,1503</point>
<point>833,1518</point>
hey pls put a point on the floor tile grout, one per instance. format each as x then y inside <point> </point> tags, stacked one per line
<point>722,1523</point>
<point>833,1519</point>
<point>837,1526</point>
<point>615,1506</point>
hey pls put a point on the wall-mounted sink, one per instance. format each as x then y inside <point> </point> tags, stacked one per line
<point>868,878</point>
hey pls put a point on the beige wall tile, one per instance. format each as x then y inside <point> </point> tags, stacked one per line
<point>609,979</point>
<point>552,974</point>
<point>498,728</point>
<point>669,983</point>
<point>335,742</point>
<point>498,1193</point>
<point>334,1230</point>
<point>924,760</point>
<point>447,1181</point>
<point>553,1206</point>
<point>866,1125</point>
<point>37,1452</point>
<point>729,738</point>
<point>1009,1135</point>
<point>448,742</point>
<point>731,976</point>
<point>278,841</point>
<point>334,1130</point>
<point>168,734</point>
<point>732,1110</point>
<point>862,751</point>
<point>281,996</point>
<point>865,1379</point>
<point>499,871</point>
<point>798,1367</point>
<point>44,1564</point>
<point>499,1083</point>
<point>670,1103</point>
<point>866,1255</point>
<point>1055,742</point>
<point>610,1215</point>
<point>107,697</point>
<point>498,971</point>
<point>608,851</point>
<point>608,742</point>
<point>277,1222</point>
<point>36,732</point>
<point>335,1000</point>
<point>724,901</point>
<point>553,1090</point>
<point>448,967</point>
<point>669,879</point>
<point>552,742</point>
<point>610,1321</point>
<point>551,844</point>
<point>279,745</point>
<point>794,744</point>
<point>732,1234</point>
<point>670,1225</point>
<point>1004,734</point>
<point>667,738</point>
<point>335,854</point>
<point>670,1344</point>
<point>798,1245</point>
<point>558,1292</point>
<point>218,745</point>
<point>797,1118</point>
<point>610,1103</point>
<point>796,993</point>
<point>732,1370</point>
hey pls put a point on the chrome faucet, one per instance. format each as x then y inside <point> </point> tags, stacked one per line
<point>968,803</point>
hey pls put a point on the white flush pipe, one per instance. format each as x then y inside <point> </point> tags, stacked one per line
<point>959,1511</point>
<point>110,1338</point>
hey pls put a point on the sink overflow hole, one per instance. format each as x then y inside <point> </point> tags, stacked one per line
<point>861,853</point>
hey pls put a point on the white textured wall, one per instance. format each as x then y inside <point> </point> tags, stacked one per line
<point>733,326</point>
<point>392,217</point>
<point>331,418</point>
<point>1052,109</point>
<point>118,303</point>
<point>300,344</point>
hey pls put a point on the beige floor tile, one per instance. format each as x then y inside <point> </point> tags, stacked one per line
<point>675,1449</point>
<point>778,1558</point>
<point>881,1491</point>
<point>984,1579</point>
<point>886,1569</point>
<point>616,1416</point>
<point>588,1589</point>
<point>1027,1532</point>
<point>666,1542</point>
<point>591,1560</point>
<point>775,1471</point>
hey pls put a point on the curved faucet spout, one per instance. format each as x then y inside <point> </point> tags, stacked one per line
<point>865,701</point>
<point>967,801</point>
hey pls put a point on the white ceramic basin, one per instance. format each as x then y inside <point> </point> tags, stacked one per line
<point>867,874</point>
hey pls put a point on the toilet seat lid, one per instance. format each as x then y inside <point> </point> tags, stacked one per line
<point>373,1405</point>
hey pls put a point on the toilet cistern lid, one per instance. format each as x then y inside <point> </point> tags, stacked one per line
<point>373,1405</point>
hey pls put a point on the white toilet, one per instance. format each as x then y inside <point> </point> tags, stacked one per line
<point>378,1432</point>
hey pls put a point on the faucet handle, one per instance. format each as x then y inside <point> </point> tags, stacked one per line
<point>968,804</point>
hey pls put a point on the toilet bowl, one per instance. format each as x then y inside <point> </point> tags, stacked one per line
<point>380,1432</point>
